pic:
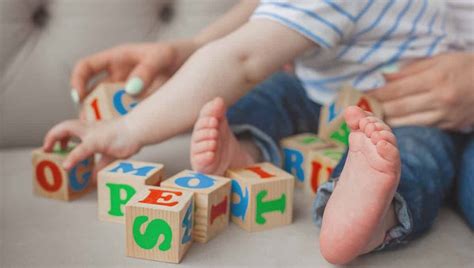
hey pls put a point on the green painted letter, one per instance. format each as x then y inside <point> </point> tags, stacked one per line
<point>116,200</point>
<point>268,206</point>
<point>342,134</point>
<point>149,238</point>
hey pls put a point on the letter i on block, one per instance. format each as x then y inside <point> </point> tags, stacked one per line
<point>212,198</point>
<point>159,223</point>
<point>52,181</point>
<point>262,197</point>
<point>320,166</point>
<point>107,101</point>
<point>296,151</point>
<point>118,182</point>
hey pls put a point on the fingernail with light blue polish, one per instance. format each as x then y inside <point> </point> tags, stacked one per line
<point>134,86</point>
<point>390,69</point>
<point>75,96</point>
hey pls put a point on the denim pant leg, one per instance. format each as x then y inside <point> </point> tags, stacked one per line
<point>465,184</point>
<point>429,159</point>
<point>273,110</point>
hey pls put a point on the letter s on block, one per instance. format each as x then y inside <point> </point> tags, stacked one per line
<point>153,231</point>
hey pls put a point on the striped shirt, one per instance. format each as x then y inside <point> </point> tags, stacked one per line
<point>357,38</point>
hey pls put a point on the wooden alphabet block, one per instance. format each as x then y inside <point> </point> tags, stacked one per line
<point>262,197</point>
<point>107,101</point>
<point>52,181</point>
<point>295,151</point>
<point>118,182</point>
<point>212,201</point>
<point>320,166</point>
<point>159,223</point>
<point>331,121</point>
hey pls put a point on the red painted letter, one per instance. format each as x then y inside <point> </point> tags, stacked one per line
<point>95,106</point>
<point>218,210</point>
<point>315,169</point>
<point>156,195</point>
<point>41,176</point>
<point>260,172</point>
<point>364,104</point>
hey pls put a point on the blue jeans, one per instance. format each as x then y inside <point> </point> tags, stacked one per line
<point>431,158</point>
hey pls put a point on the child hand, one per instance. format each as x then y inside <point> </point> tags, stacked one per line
<point>110,138</point>
<point>145,66</point>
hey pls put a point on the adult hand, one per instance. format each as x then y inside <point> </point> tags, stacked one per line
<point>437,91</point>
<point>145,66</point>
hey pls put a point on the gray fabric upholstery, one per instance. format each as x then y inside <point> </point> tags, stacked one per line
<point>39,232</point>
<point>40,40</point>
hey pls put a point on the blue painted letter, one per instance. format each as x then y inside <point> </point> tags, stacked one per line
<point>294,163</point>
<point>118,104</point>
<point>203,181</point>
<point>239,209</point>
<point>125,167</point>
<point>187,225</point>
<point>74,182</point>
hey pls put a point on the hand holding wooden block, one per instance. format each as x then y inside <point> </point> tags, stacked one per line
<point>296,151</point>
<point>262,197</point>
<point>51,180</point>
<point>212,200</point>
<point>107,101</point>
<point>118,182</point>
<point>159,223</point>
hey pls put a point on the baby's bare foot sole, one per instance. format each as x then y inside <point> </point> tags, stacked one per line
<point>356,212</point>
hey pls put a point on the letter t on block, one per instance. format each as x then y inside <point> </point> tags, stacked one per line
<point>159,223</point>
<point>262,197</point>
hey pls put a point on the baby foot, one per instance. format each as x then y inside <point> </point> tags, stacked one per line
<point>355,218</point>
<point>214,148</point>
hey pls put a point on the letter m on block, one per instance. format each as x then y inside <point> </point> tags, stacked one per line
<point>125,167</point>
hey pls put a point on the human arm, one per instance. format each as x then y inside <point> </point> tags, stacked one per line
<point>147,66</point>
<point>228,67</point>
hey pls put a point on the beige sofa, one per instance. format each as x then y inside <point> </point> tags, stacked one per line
<point>39,43</point>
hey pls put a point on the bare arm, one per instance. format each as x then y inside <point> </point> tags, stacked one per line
<point>153,63</point>
<point>227,23</point>
<point>228,68</point>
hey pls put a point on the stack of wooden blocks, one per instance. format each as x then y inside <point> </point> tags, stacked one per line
<point>311,158</point>
<point>163,217</point>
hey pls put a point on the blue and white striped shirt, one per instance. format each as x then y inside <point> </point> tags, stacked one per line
<point>357,38</point>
